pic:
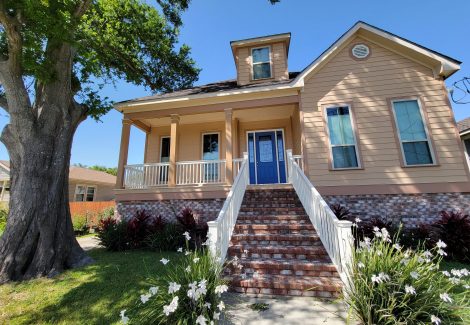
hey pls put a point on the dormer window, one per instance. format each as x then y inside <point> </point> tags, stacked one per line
<point>261,57</point>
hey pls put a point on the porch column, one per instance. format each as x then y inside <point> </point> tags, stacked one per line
<point>175,121</point>
<point>123,151</point>
<point>228,146</point>
<point>2,195</point>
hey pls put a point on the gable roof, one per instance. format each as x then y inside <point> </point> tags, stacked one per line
<point>5,164</point>
<point>90,175</point>
<point>464,126</point>
<point>441,64</point>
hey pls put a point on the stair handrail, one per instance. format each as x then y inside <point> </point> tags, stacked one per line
<point>220,230</point>
<point>335,235</point>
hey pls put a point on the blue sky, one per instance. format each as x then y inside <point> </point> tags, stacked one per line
<point>209,26</point>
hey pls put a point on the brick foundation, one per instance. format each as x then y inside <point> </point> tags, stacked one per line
<point>204,209</point>
<point>410,209</point>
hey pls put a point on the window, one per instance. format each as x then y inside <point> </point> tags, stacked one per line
<point>467,146</point>
<point>210,151</point>
<point>412,134</point>
<point>342,138</point>
<point>90,193</point>
<point>261,63</point>
<point>165,150</point>
<point>80,193</point>
<point>85,193</point>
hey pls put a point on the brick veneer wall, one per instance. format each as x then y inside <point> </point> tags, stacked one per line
<point>204,210</point>
<point>410,209</point>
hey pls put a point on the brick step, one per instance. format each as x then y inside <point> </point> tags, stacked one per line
<point>271,210</point>
<point>286,266</point>
<point>277,252</point>
<point>304,229</point>
<point>275,239</point>
<point>267,204</point>
<point>287,285</point>
<point>267,218</point>
<point>271,199</point>
<point>254,221</point>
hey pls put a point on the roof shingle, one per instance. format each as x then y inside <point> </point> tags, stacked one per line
<point>463,125</point>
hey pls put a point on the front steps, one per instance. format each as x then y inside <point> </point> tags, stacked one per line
<point>275,249</point>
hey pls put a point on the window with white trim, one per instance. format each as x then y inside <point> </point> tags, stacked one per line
<point>261,61</point>
<point>85,193</point>
<point>90,193</point>
<point>343,144</point>
<point>412,133</point>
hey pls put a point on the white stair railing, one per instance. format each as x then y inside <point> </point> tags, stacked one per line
<point>221,229</point>
<point>335,234</point>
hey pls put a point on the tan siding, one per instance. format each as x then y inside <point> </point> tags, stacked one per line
<point>368,85</point>
<point>278,58</point>
<point>104,192</point>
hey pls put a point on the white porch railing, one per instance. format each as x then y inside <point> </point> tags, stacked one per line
<point>146,175</point>
<point>221,229</point>
<point>200,172</point>
<point>299,161</point>
<point>237,163</point>
<point>335,234</point>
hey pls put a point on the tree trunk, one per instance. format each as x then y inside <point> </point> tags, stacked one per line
<point>39,238</point>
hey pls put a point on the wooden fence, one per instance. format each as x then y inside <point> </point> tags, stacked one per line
<point>90,210</point>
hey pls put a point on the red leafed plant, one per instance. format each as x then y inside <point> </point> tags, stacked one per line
<point>106,223</point>
<point>341,212</point>
<point>141,225</point>
<point>454,229</point>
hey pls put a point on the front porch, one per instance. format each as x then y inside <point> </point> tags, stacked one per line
<point>190,156</point>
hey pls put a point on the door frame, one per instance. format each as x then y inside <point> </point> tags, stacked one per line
<point>277,152</point>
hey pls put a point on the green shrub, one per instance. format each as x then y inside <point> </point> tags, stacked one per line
<point>168,239</point>
<point>112,234</point>
<point>189,293</point>
<point>390,285</point>
<point>3,219</point>
<point>107,212</point>
<point>80,224</point>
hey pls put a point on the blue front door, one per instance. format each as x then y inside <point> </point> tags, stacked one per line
<point>266,158</point>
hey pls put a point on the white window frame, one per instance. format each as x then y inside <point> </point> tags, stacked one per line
<point>253,63</point>
<point>202,143</point>
<point>426,131</point>
<point>85,194</point>
<point>353,127</point>
<point>467,154</point>
<point>161,146</point>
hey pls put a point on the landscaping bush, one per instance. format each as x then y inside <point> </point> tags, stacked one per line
<point>390,285</point>
<point>142,225</point>
<point>196,229</point>
<point>80,224</point>
<point>454,229</point>
<point>189,293</point>
<point>112,234</point>
<point>341,212</point>
<point>3,219</point>
<point>168,239</point>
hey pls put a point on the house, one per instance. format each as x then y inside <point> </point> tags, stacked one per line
<point>84,184</point>
<point>368,124</point>
<point>464,131</point>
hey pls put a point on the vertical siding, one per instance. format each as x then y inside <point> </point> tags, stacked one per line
<point>278,58</point>
<point>368,85</point>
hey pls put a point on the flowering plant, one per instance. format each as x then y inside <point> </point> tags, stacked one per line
<point>189,293</point>
<point>392,285</point>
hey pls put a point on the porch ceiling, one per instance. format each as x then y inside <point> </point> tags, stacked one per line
<point>243,115</point>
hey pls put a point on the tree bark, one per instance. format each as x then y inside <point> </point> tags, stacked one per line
<point>39,238</point>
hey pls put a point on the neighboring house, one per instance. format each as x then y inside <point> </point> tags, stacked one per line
<point>84,184</point>
<point>370,119</point>
<point>4,180</point>
<point>464,131</point>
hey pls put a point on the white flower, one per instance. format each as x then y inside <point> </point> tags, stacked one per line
<point>384,276</point>
<point>445,297</point>
<point>405,261</point>
<point>174,287</point>
<point>358,220</point>
<point>221,305</point>
<point>441,244</point>
<point>376,278</point>
<point>208,305</point>
<point>180,250</point>
<point>366,243</point>
<point>427,254</point>
<point>201,320</point>
<point>221,289</point>
<point>414,275</point>
<point>216,316</point>
<point>454,280</point>
<point>197,290</point>
<point>379,253</point>
<point>446,273</point>
<point>435,320</point>
<point>164,261</point>
<point>168,309</point>
<point>441,252</point>
<point>376,229</point>
<point>410,290</point>
<point>186,235</point>
<point>385,235</point>
<point>361,265</point>
<point>196,259</point>
<point>421,260</point>
<point>456,273</point>
<point>153,291</point>
<point>243,276</point>
<point>397,246</point>
<point>466,286</point>
<point>186,253</point>
<point>188,269</point>
<point>464,272</point>
<point>145,298</point>
<point>124,318</point>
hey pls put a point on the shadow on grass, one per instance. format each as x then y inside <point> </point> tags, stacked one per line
<point>95,294</point>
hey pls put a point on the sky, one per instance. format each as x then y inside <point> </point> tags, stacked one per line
<point>210,25</point>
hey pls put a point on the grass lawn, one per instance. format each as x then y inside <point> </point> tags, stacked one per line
<point>91,295</point>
